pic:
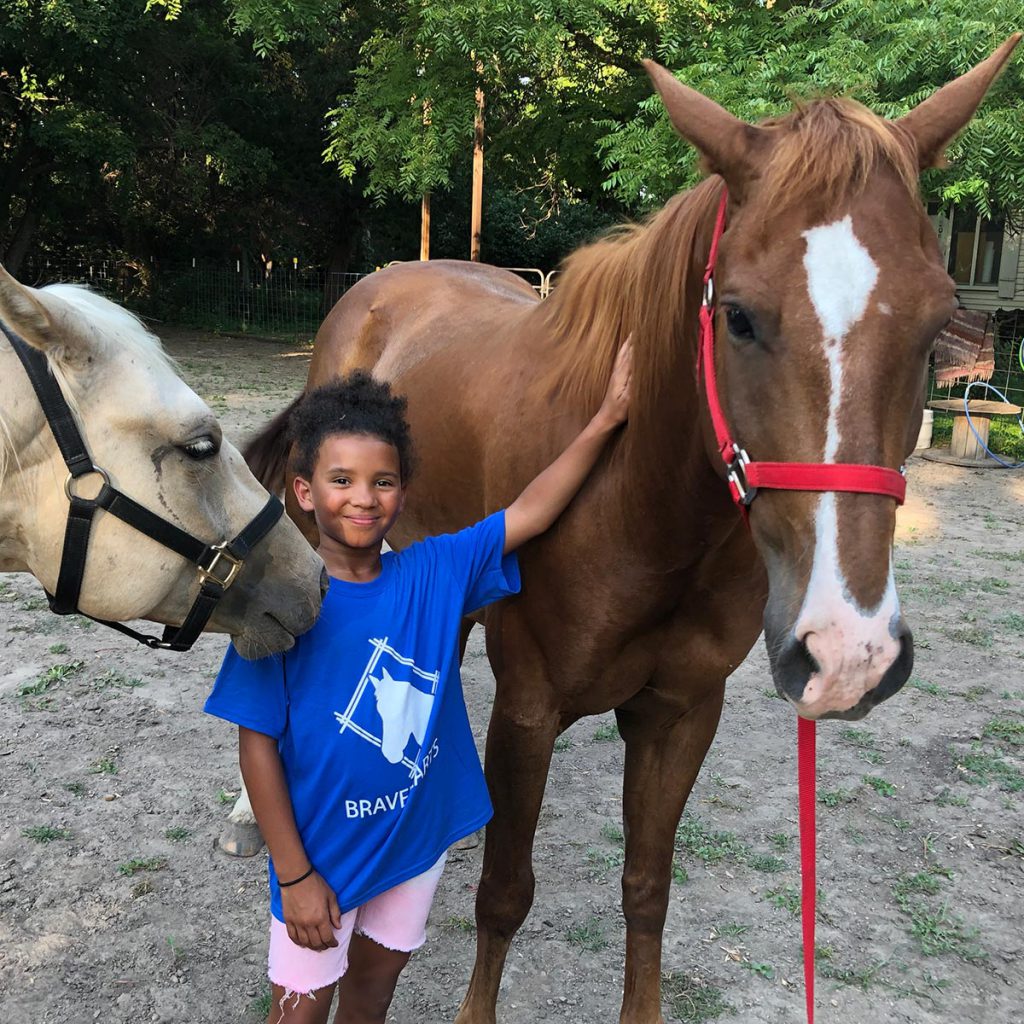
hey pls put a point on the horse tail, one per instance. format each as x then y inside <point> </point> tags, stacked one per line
<point>266,454</point>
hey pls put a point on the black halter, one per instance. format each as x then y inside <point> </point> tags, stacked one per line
<point>217,564</point>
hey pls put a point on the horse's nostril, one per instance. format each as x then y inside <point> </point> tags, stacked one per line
<point>794,667</point>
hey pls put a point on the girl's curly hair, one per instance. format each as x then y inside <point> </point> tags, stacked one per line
<point>356,404</point>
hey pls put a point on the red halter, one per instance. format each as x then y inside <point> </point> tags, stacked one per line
<point>745,477</point>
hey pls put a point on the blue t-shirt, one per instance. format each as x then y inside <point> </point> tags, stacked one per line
<point>368,712</point>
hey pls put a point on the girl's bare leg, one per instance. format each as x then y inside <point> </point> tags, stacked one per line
<point>365,991</point>
<point>291,1008</point>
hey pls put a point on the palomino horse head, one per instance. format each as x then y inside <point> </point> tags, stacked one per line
<point>161,445</point>
<point>830,292</point>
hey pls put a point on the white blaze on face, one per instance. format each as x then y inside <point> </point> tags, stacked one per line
<point>852,645</point>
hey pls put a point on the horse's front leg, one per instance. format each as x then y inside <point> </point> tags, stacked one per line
<point>665,746</point>
<point>241,836</point>
<point>519,743</point>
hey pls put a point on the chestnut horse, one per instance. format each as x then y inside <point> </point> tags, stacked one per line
<point>650,590</point>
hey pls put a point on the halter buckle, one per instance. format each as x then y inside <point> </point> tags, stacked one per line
<point>210,572</point>
<point>737,476</point>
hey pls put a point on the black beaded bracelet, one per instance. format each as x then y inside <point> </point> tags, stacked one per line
<point>295,881</point>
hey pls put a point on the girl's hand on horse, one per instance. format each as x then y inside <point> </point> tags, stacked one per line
<point>311,913</point>
<point>615,407</point>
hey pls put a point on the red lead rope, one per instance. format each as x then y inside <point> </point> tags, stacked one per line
<point>745,477</point>
<point>806,736</point>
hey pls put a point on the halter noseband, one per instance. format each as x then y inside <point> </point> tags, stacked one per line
<point>217,565</point>
<point>746,477</point>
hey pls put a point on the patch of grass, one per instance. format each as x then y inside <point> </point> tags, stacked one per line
<point>900,824</point>
<point>691,999</point>
<point>455,923</point>
<point>781,841</point>
<point>976,636</point>
<point>58,648</point>
<point>936,930</point>
<point>785,897</point>
<point>613,833</point>
<point>932,689</point>
<point>1012,620</point>
<point>994,585</point>
<point>764,970</point>
<point>33,604</point>
<point>75,788</point>
<point>226,796</point>
<point>177,833</point>
<point>679,873</point>
<point>137,864</point>
<point>53,676</point>
<point>45,833</point>
<point>981,767</point>
<point>948,798</point>
<point>562,744</point>
<point>606,858</point>
<point>587,935</point>
<point>117,680</point>
<point>143,887</point>
<point>835,797</point>
<point>766,862</point>
<point>1001,556</point>
<point>924,883</point>
<point>707,845</point>
<point>974,693</point>
<point>863,978</point>
<point>103,766</point>
<point>732,930</point>
<point>604,733</point>
<point>1011,732</point>
<point>872,756</point>
<point>858,737</point>
<point>880,786</point>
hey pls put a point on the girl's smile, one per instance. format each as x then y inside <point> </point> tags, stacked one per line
<point>356,495</point>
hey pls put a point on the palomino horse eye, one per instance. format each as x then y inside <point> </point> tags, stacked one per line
<point>201,448</point>
<point>739,324</point>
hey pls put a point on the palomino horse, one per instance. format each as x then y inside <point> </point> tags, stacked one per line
<point>159,444</point>
<point>651,590</point>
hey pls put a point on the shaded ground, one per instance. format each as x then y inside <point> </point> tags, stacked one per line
<point>115,906</point>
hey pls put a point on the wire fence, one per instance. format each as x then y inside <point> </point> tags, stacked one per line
<point>1008,330</point>
<point>236,297</point>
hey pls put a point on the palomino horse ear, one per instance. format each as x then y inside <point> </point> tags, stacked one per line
<point>730,147</point>
<point>934,121</point>
<point>23,312</point>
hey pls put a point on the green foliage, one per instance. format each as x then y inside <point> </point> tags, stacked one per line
<point>45,833</point>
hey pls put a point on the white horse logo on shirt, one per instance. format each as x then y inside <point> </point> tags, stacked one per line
<point>404,710</point>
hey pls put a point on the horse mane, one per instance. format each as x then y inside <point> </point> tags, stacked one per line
<point>642,278</point>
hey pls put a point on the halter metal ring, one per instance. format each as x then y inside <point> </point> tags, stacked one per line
<point>221,554</point>
<point>71,478</point>
<point>737,476</point>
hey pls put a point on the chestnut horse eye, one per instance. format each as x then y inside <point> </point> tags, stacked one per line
<point>739,324</point>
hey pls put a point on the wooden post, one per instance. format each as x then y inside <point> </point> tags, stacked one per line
<point>478,176</point>
<point>425,227</point>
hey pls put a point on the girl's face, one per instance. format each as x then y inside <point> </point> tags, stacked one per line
<point>355,492</point>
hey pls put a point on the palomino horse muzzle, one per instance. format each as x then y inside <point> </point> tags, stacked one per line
<point>217,565</point>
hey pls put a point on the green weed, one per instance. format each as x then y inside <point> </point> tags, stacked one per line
<point>880,786</point>
<point>455,923</point>
<point>1011,732</point>
<point>981,767</point>
<point>836,797</point>
<point>103,766</point>
<point>177,834</point>
<point>604,733</point>
<point>785,897</point>
<point>925,687</point>
<point>781,841</point>
<point>53,676</point>
<point>858,737</point>
<point>766,862</point>
<point>707,845</point>
<point>587,935</point>
<point>137,864</point>
<point>562,744</point>
<point>691,999</point>
<point>45,833</point>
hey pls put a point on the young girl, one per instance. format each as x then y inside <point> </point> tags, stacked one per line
<point>356,747</point>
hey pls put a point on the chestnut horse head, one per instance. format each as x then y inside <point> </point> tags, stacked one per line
<point>830,293</point>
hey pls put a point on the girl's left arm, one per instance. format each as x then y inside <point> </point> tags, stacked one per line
<point>546,496</point>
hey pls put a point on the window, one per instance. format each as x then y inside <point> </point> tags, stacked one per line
<point>975,248</point>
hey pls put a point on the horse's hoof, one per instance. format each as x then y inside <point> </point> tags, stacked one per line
<point>241,840</point>
<point>470,842</point>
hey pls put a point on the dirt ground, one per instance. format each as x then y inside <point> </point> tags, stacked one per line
<point>115,905</point>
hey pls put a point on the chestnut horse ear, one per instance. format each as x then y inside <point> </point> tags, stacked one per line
<point>23,312</point>
<point>934,122</point>
<point>730,147</point>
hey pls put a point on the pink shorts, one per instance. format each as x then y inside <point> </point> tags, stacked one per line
<point>395,919</point>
